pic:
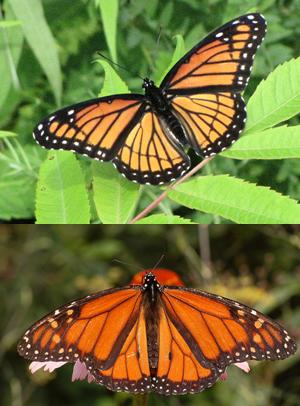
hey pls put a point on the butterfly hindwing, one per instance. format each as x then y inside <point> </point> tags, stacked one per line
<point>96,128</point>
<point>221,62</point>
<point>213,121</point>
<point>150,153</point>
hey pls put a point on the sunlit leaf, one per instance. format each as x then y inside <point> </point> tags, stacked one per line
<point>276,143</point>
<point>237,200</point>
<point>276,99</point>
<point>61,196</point>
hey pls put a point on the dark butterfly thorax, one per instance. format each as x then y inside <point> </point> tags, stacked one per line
<point>160,104</point>
<point>151,302</point>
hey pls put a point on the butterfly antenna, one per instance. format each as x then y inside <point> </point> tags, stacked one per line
<point>159,261</point>
<point>116,64</point>
<point>155,52</point>
<point>139,268</point>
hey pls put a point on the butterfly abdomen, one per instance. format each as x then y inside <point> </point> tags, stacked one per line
<point>151,308</point>
<point>162,107</point>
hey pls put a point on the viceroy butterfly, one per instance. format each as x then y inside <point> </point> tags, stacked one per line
<point>154,335</point>
<point>197,105</point>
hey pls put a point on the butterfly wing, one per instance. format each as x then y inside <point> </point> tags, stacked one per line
<point>212,121</point>
<point>203,87</point>
<point>96,128</point>
<point>201,334</point>
<point>93,330</point>
<point>150,153</point>
<point>220,62</point>
<point>130,371</point>
<point>179,369</point>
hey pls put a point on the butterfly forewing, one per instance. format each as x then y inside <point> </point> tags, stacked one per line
<point>221,62</point>
<point>92,329</point>
<point>222,331</point>
<point>96,128</point>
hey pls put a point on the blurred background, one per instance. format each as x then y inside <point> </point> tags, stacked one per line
<point>44,267</point>
<point>77,34</point>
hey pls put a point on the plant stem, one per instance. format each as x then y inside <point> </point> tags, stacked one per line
<point>161,197</point>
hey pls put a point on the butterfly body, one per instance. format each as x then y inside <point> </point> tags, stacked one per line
<point>150,336</point>
<point>198,105</point>
<point>161,105</point>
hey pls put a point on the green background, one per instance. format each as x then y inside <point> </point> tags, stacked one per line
<point>39,81</point>
<point>44,267</point>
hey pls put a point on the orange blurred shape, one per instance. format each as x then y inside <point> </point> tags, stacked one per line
<point>163,276</point>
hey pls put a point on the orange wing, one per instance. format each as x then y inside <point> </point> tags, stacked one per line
<point>212,121</point>
<point>93,330</point>
<point>219,331</point>
<point>151,154</point>
<point>180,368</point>
<point>96,128</point>
<point>221,62</point>
<point>130,371</point>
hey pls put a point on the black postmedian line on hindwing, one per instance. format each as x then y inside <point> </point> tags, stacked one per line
<point>131,147</point>
<point>154,144</point>
<point>164,131</point>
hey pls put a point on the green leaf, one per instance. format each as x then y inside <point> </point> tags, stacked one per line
<point>178,53</point>
<point>275,143</point>
<point>4,134</point>
<point>11,43</point>
<point>40,39</point>
<point>276,98</point>
<point>115,197</point>
<point>61,196</point>
<point>113,84</point>
<point>164,219</point>
<point>17,195</point>
<point>109,13</point>
<point>9,23</point>
<point>237,200</point>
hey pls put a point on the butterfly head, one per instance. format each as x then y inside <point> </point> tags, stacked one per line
<point>148,83</point>
<point>151,285</point>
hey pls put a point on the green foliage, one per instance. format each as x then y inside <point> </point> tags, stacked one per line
<point>276,99</point>
<point>4,134</point>
<point>276,143</point>
<point>178,53</point>
<point>114,196</point>
<point>61,196</point>
<point>11,41</point>
<point>40,39</point>
<point>109,12</point>
<point>164,219</point>
<point>130,30</point>
<point>237,200</point>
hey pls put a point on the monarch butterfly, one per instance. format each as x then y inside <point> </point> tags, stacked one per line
<point>197,105</point>
<point>154,335</point>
